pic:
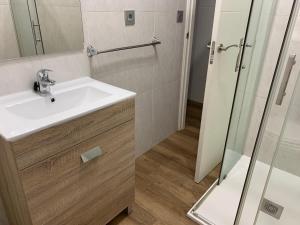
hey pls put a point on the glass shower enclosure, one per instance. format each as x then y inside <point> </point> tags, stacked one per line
<point>271,194</point>
<point>259,181</point>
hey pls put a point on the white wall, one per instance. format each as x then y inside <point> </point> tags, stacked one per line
<point>154,75</point>
<point>8,40</point>
<point>19,75</point>
<point>200,53</point>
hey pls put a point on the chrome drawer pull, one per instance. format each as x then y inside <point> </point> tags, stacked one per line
<point>91,154</point>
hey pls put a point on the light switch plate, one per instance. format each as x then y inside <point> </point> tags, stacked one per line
<point>180,14</point>
<point>129,17</point>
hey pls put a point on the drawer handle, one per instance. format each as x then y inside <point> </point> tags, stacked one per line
<point>91,154</point>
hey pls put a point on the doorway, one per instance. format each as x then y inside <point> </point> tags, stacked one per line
<point>212,67</point>
<point>204,16</point>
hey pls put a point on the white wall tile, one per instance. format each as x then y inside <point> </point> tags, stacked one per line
<point>166,5</point>
<point>182,5</point>
<point>19,75</point>
<point>143,122</point>
<point>105,5</point>
<point>165,111</point>
<point>140,5</point>
<point>153,73</point>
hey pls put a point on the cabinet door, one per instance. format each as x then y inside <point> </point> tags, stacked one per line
<point>65,190</point>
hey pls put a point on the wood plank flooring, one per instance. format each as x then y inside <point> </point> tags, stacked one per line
<point>165,187</point>
<point>193,113</point>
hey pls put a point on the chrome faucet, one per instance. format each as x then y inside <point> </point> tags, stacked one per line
<point>43,83</point>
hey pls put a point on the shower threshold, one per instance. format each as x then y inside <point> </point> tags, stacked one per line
<point>220,204</point>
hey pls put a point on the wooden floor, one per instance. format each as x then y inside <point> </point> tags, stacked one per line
<point>193,114</point>
<point>165,187</point>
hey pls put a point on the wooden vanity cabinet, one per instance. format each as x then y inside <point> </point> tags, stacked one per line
<point>46,180</point>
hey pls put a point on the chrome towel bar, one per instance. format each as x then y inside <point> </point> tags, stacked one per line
<point>91,51</point>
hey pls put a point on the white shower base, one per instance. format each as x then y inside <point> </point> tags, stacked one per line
<point>220,206</point>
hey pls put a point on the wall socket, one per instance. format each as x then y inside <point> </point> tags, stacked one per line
<point>180,14</point>
<point>129,17</point>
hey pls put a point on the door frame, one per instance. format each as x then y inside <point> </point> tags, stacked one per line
<point>186,60</point>
<point>185,73</point>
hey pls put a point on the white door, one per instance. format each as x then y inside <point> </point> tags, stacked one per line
<point>229,31</point>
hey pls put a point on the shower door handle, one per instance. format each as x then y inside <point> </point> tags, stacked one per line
<point>285,80</point>
<point>239,57</point>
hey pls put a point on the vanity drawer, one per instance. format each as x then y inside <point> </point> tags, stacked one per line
<point>64,190</point>
<point>49,142</point>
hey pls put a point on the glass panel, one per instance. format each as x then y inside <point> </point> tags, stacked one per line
<point>23,26</point>
<point>273,115</point>
<point>258,49</point>
<point>246,92</point>
<point>283,187</point>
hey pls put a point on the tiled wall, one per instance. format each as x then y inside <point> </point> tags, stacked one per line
<point>153,73</point>
<point>202,35</point>
<point>19,75</point>
<point>8,40</point>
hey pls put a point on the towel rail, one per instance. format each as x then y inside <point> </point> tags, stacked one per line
<point>91,51</point>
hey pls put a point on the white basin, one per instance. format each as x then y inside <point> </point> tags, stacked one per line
<point>25,113</point>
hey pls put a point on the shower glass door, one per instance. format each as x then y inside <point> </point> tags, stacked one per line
<point>271,194</point>
<point>281,197</point>
<point>255,46</point>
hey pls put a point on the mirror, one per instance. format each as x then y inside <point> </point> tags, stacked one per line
<point>38,27</point>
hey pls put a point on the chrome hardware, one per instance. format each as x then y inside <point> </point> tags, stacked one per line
<point>43,83</point>
<point>211,45</point>
<point>208,45</point>
<point>239,57</point>
<point>91,154</point>
<point>222,48</point>
<point>92,51</point>
<point>248,45</point>
<point>285,80</point>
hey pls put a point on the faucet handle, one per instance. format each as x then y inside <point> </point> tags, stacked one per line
<point>44,72</point>
<point>43,77</point>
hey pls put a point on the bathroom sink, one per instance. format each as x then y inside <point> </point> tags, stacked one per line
<point>42,107</point>
<point>24,113</point>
